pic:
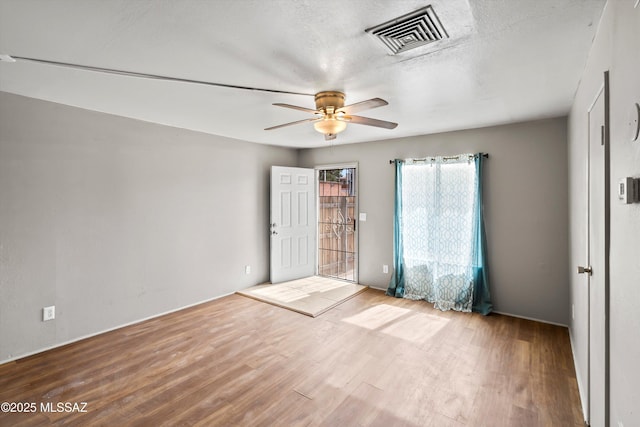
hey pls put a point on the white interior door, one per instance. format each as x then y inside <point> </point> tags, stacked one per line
<point>597,269</point>
<point>293,223</point>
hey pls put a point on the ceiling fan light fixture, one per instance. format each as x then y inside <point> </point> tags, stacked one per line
<point>330,125</point>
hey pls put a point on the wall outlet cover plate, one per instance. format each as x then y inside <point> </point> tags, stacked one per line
<point>48,313</point>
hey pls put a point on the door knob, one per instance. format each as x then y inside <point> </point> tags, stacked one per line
<point>584,270</point>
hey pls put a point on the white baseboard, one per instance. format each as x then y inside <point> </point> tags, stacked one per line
<point>531,318</point>
<point>504,313</point>
<point>21,356</point>
<point>582,390</point>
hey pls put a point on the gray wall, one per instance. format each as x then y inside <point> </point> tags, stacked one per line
<point>525,206</point>
<point>113,220</point>
<point>616,48</point>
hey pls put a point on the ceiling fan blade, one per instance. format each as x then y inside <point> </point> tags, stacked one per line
<point>295,107</point>
<point>369,122</point>
<point>329,136</point>
<point>313,119</point>
<point>147,76</point>
<point>364,105</point>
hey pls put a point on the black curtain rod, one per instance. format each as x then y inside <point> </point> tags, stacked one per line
<point>485,155</point>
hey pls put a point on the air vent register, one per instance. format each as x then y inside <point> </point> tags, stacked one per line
<point>410,31</point>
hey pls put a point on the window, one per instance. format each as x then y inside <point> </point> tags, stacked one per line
<point>438,248</point>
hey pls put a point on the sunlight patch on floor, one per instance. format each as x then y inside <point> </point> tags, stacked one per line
<point>417,328</point>
<point>376,317</point>
<point>399,322</point>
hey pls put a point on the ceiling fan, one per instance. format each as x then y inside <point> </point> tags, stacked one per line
<point>331,115</point>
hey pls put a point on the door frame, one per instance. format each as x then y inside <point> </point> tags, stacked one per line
<point>346,165</point>
<point>603,90</point>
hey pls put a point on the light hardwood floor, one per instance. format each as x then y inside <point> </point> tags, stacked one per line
<point>374,360</point>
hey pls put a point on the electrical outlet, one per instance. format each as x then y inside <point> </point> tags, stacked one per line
<point>247,269</point>
<point>48,313</point>
<point>385,269</point>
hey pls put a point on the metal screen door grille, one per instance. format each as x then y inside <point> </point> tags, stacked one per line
<point>336,224</point>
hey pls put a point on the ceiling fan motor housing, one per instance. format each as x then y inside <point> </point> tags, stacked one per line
<point>329,99</point>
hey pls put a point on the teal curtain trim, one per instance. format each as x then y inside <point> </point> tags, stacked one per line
<point>481,295</point>
<point>396,285</point>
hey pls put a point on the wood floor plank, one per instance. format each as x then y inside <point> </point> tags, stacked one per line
<point>373,360</point>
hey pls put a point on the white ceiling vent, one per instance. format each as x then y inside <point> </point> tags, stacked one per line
<point>410,31</point>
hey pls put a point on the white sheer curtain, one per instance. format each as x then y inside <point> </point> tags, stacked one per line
<point>438,208</point>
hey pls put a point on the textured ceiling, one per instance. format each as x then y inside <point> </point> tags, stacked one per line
<point>505,61</point>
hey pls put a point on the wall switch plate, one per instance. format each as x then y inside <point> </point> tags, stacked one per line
<point>247,269</point>
<point>385,269</point>
<point>362,216</point>
<point>48,313</point>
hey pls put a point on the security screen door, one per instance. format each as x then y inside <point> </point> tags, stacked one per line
<point>337,225</point>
